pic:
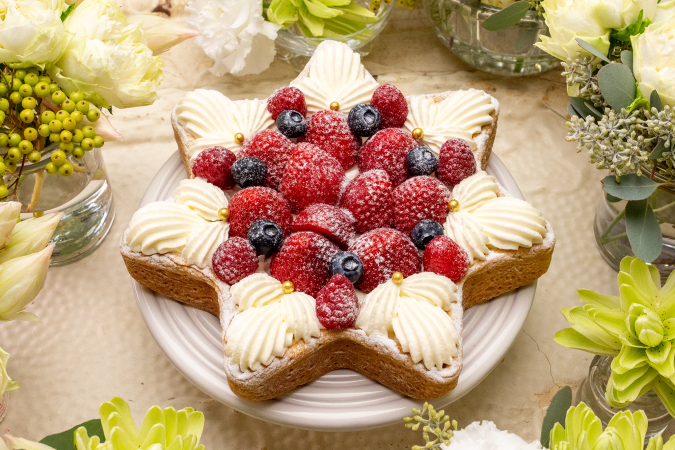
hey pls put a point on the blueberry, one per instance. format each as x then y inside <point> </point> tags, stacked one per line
<point>364,120</point>
<point>421,161</point>
<point>347,264</point>
<point>291,124</point>
<point>266,237</point>
<point>425,231</point>
<point>249,171</point>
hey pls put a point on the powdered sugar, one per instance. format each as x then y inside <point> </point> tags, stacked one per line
<point>258,203</point>
<point>334,223</point>
<point>368,198</point>
<point>392,106</point>
<point>329,130</point>
<point>419,198</point>
<point>234,260</point>
<point>387,150</point>
<point>272,148</point>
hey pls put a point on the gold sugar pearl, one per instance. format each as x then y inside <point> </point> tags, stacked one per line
<point>453,206</point>
<point>397,277</point>
<point>239,138</point>
<point>418,133</point>
<point>287,287</point>
<point>223,213</point>
<point>335,106</point>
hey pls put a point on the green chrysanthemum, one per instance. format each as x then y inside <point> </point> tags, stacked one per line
<point>321,18</point>
<point>638,328</point>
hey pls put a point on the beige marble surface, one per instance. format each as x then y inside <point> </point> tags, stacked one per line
<point>92,343</point>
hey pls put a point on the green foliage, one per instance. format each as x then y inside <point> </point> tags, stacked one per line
<point>507,17</point>
<point>65,440</point>
<point>435,424</point>
<point>643,229</point>
<point>635,28</point>
<point>629,187</point>
<point>66,13</point>
<point>556,413</point>
<point>617,85</point>
<point>592,50</point>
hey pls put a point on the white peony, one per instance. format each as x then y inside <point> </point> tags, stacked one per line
<point>618,14</point>
<point>234,34</point>
<point>654,61</point>
<point>664,11</point>
<point>485,436</point>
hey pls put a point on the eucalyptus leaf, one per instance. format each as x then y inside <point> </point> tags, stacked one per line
<point>556,413</point>
<point>579,104</point>
<point>627,59</point>
<point>617,85</point>
<point>655,101</point>
<point>612,199</point>
<point>644,232</point>
<point>594,110</point>
<point>631,187</point>
<point>571,111</point>
<point>66,439</point>
<point>507,17</point>
<point>592,50</point>
<point>658,150</point>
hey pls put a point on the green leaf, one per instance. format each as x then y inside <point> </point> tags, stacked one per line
<point>658,150</point>
<point>593,109</point>
<point>571,111</point>
<point>617,85</point>
<point>507,17</point>
<point>66,13</point>
<point>581,106</point>
<point>592,50</point>
<point>631,187</point>
<point>644,232</point>
<point>556,413</point>
<point>627,59</point>
<point>612,199</point>
<point>635,28</point>
<point>66,439</point>
<point>655,101</point>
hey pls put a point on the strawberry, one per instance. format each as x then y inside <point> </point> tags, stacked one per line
<point>329,130</point>
<point>419,198</point>
<point>337,304</point>
<point>334,223</point>
<point>312,176</point>
<point>258,203</point>
<point>368,197</point>
<point>304,259</point>
<point>272,148</point>
<point>214,165</point>
<point>387,150</point>
<point>445,257</point>
<point>392,106</point>
<point>234,260</point>
<point>455,162</point>
<point>384,251</point>
<point>284,99</point>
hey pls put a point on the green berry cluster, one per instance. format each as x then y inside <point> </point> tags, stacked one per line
<point>436,424</point>
<point>375,5</point>
<point>410,4</point>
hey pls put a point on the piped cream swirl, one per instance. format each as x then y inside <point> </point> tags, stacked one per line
<point>474,190</point>
<point>466,231</point>
<point>202,243</point>
<point>201,196</point>
<point>162,227</point>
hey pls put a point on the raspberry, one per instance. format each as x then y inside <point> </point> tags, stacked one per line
<point>334,223</point>
<point>213,165</point>
<point>387,150</point>
<point>392,106</point>
<point>304,259</point>
<point>258,203</point>
<point>284,99</point>
<point>455,162</point>
<point>417,199</point>
<point>337,304</point>
<point>234,260</point>
<point>272,148</point>
<point>445,257</point>
<point>384,251</point>
<point>368,198</point>
<point>312,176</point>
<point>329,130</point>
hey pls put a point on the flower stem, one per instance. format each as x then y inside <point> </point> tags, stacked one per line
<point>37,191</point>
<point>611,226</point>
<point>664,207</point>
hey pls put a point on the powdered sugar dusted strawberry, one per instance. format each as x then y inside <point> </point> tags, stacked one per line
<point>213,165</point>
<point>272,148</point>
<point>417,199</point>
<point>337,305</point>
<point>455,162</point>
<point>445,257</point>
<point>334,223</point>
<point>392,106</point>
<point>329,130</point>
<point>368,198</point>
<point>312,176</point>
<point>387,150</point>
<point>384,251</point>
<point>257,203</point>
<point>304,259</point>
<point>284,99</point>
<point>234,260</point>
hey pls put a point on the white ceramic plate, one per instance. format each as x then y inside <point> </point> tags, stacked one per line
<point>341,400</point>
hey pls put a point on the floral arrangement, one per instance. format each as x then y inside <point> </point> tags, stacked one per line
<point>616,57</point>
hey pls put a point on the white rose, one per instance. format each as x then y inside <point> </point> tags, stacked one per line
<point>618,14</point>
<point>234,34</point>
<point>654,61</point>
<point>664,11</point>
<point>107,60</point>
<point>31,32</point>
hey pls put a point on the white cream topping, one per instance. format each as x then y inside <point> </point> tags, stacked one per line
<point>214,119</point>
<point>268,321</point>
<point>414,313</point>
<point>162,227</point>
<point>202,243</point>
<point>201,196</point>
<point>335,75</point>
<point>475,190</point>
<point>466,231</point>
<point>461,115</point>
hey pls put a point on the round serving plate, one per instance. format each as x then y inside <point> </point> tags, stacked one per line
<point>341,400</point>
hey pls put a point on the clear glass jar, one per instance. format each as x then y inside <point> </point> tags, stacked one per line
<point>509,52</point>
<point>85,197</point>
<point>295,48</point>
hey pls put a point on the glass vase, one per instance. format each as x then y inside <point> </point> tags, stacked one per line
<point>509,52</point>
<point>85,197</point>
<point>592,393</point>
<point>4,405</point>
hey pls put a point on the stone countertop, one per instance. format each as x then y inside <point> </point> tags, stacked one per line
<point>93,345</point>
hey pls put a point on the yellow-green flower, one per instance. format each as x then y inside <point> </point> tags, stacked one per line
<point>30,236</point>
<point>321,18</point>
<point>6,383</point>
<point>21,279</point>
